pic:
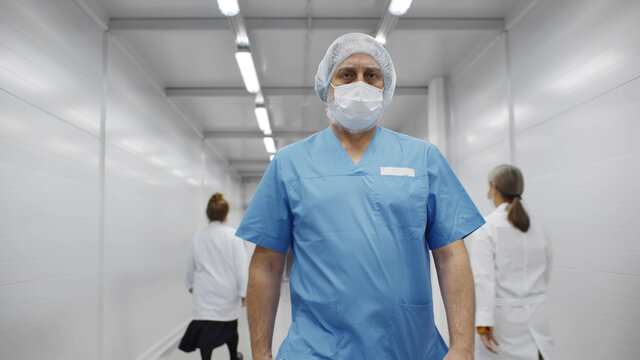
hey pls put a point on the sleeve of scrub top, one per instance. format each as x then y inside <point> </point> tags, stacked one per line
<point>191,265</point>
<point>451,215</point>
<point>242,268</point>
<point>481,249</point>
<point>267,221</point>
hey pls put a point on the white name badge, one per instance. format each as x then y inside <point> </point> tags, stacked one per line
<point>397,171</point>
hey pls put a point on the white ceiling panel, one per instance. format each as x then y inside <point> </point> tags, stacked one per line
<point>220,112</point>
<point>185,54</point>
<point>466,8</point>
<point>282,54</point>
<point>188,58</point>
<point>161,8</point>
<point>279,55</point>
<point>296,112</point>
<point>319,8</point>
<point>240,148</point>
<point>419,56</point>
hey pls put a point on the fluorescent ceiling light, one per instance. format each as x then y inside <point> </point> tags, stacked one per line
<point>242,40</point>
<point>259,98</point>
<point>269,144</point>
<point>193,181</point>
<point>237,24</point>
<point>248,71</point>
<point>229,7</point>
<point>387,23</point>
<point>399,7</point>
<point>263,120</point>
<point>271,157</point>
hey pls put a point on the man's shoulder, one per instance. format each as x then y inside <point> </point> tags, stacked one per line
<point>300,147</point>
<point>405,139</point>
<point>409,146</point>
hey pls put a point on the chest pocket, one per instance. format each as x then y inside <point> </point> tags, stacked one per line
<point>402,201</point>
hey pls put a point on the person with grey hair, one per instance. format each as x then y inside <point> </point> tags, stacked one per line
<point>511,262</point>
<point>360,206</point>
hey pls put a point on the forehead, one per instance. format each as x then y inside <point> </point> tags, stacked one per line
<point>359,60</point>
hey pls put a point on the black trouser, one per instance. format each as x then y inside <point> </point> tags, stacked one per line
<point>232,344</point>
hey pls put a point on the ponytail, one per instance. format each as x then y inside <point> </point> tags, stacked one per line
<point>517,215</point>
<point>510,183</point>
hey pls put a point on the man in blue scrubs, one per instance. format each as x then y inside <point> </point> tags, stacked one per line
<point>360,206</point>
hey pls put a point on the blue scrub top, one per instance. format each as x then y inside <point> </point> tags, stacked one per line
<point>360,235</point>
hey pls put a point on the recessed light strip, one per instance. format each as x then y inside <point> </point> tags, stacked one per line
<point>248,71</point>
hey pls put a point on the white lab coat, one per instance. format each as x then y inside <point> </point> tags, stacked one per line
<point>511,273</point>
<point>218,272</point>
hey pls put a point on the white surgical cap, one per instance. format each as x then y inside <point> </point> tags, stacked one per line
<point>347,45</point>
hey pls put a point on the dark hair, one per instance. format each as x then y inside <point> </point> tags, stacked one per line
<point>218,208</point>
<point>510,183</point>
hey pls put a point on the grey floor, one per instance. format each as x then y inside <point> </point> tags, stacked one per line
<point>283,320</point>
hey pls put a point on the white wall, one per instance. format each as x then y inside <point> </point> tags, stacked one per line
<point>575,82</point>
<point>82,277</point>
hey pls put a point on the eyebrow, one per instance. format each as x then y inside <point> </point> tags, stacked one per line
<point>353,68</point>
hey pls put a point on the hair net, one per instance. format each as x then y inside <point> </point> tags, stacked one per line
<point>347,45</point>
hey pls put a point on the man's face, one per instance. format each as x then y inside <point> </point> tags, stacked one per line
<point>357,67</point>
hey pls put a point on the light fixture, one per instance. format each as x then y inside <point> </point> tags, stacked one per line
<point>399,7</point>
<point>271,157</point>
<point>229,7</point>
<point>242,40</point>
<point>259,99</point>
<point>248,71</point>
<point>386,24</point>
<point>237,24</point>
<point>269,144</point>
<point>263,119</point>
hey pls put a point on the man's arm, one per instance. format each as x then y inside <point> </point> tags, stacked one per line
<point>263,293</point>
<point>456,286</point>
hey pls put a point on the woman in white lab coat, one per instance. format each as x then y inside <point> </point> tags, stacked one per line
<point>511,261</point>
<point>217,274</point>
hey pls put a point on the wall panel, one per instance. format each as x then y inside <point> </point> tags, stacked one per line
<point>153,171</point>
<point>576,91</point>
<point>51,61</point>
<point>49,188</point>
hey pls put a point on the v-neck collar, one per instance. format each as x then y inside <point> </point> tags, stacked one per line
<point>342,152</point>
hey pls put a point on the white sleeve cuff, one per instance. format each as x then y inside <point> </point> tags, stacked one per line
<point>484,318</point>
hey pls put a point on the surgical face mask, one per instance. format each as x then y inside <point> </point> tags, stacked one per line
<point>357,106</point>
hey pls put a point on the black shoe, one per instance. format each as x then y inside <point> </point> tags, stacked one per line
<point>239,356</point>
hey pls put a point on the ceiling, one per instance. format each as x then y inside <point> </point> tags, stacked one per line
<point>188,56</point>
